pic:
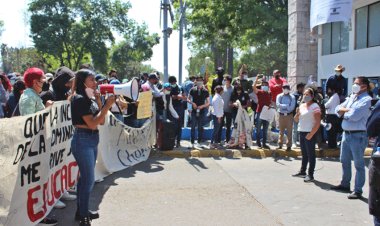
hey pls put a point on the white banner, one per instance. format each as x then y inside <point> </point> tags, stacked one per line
<point>37,165</point>
<point>327,11</point>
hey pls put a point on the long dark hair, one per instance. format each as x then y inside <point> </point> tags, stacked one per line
<point>80,78</point>
<point>17,88</point>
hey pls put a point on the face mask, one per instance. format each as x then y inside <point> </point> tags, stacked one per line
<point>199,84</point>
<point>265,88</point>
<point>355,88</point>
<point>307,99</point>
<point>286,91</point>
<point>338,73</point>
<point>174,85</point>
<point>90,93</point>
<point>277,76</point>
<point>224,82</point>
<point>245,77</point>
<point>238,92</point>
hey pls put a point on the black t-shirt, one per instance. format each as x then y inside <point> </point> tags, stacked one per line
<point>81,106</point>
<point>199,95</point>
<point>216,82</point>
<point>47,95</point>
<point>174,92</point>
<point>243,98</point>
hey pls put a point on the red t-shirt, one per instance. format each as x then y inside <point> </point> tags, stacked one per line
<point>263,100</point>
<point>275,90</point>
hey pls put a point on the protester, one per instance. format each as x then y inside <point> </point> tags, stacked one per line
<point>151,85</point>
<point>60,86</point>
<point>144,77</point>
<point>298,96</point>
<point>177,96</point>
<point>199,99</point>
<point>169,112</point>
<point>238,94</point>
<point>101,79</point>
<point>338,82</point>
<point>355,112</point>
<point>227,108</point>
<point>285,103</point>
<point>264,99</point>
<point>275,86</point>
<point>332,118</point>
<point>30,103</point>
<point>373,125</point>
<point>217,116</point>
<point>119,105</point>
<point>12,108</point>
<point>5,90</point>
<point>218,81</point>
<point>113,74</point>
<point>87,114</point>
<point>243,79</point>
<point>308,117</point>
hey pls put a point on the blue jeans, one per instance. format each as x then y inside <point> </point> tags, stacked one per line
<point>265,125</point>
<point>84,147</point>
<point>352,148</point>
<point>376,221</point>
<point>215,133</point>
<point>197,122</point>
<point>308,153</point>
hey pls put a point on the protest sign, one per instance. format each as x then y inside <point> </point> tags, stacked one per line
<point>327,11</point>
<point>145,105</point>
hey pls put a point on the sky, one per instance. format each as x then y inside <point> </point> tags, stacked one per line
<point>16,33</point>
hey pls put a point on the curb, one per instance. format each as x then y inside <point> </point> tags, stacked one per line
<point>253,153</point>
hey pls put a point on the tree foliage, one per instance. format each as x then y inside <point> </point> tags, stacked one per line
<point>1,27</point>
<point>19,59</point>
<point>136,47</point>
<point>242,25</point>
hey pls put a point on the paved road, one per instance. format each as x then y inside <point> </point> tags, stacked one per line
<point>213,191</point>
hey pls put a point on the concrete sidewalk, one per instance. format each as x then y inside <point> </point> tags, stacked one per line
<point>222,191</point>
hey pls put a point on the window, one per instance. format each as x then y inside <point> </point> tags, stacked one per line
<point>367,29</point>
<point>335,38</point>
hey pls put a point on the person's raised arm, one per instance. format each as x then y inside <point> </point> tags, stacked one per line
<point>93,121</point>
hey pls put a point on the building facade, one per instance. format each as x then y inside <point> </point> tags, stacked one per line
<point>354,44</point>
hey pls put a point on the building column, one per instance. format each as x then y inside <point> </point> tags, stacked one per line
<point>302,53</point>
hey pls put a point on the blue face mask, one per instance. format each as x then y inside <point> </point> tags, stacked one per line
<point>265,88</point>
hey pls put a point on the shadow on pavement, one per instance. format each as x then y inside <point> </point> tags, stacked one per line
<point>65,216</point>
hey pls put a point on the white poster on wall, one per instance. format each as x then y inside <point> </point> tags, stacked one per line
<point>327,11</point>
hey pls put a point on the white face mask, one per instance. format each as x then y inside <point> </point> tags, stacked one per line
<point>199,84</point>
<point>224,82</point>
<point>286,91</point>
<point>355,88</point>
<point>90,93</point>
<point>245,77</point>
<point>338,73</point>
<point>167,92</point>
<point>265,88</point>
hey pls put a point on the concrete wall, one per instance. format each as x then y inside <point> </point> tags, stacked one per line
<point>357,62</point>
<point>302,54</point>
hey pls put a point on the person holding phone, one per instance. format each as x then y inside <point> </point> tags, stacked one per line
<point>87,114</point>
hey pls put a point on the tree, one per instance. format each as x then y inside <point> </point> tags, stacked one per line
<point>136,47</point>
<point>19,59</point>
<point>225,26</point>
<point>1,27</point>
<point>71,29</point>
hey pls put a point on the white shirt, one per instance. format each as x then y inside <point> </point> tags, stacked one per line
<point>331,104</point>
<point>217,104</point>
<point>307,120</point>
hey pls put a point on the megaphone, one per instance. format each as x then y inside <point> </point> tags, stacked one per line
<point>326,125</point>
<point>129,89</point>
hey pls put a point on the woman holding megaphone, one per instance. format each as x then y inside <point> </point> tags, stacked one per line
<point>87,114</point>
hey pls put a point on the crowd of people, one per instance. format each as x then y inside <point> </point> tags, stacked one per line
<point>225,103</point>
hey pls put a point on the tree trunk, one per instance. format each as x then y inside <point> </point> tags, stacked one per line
<point>230,60</point>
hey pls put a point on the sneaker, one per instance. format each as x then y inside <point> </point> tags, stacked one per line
<point>280,146</point>
<point>212,146</point>
<point>68,197</point>
<point>259,145</point>
<point>355,195</point>
<point>299,174</point>
<point>266,146</point>
<point>340,188</point>
<point>99,180</point>
<point>59,205</point>
<point>92,214</point>
<point>178,145</point>
<point>294,146</point>
<point>308,179</point>
<point>85,221</point>
<point>73,189</point>
<point>48,221</point>
<point>288,149</point>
